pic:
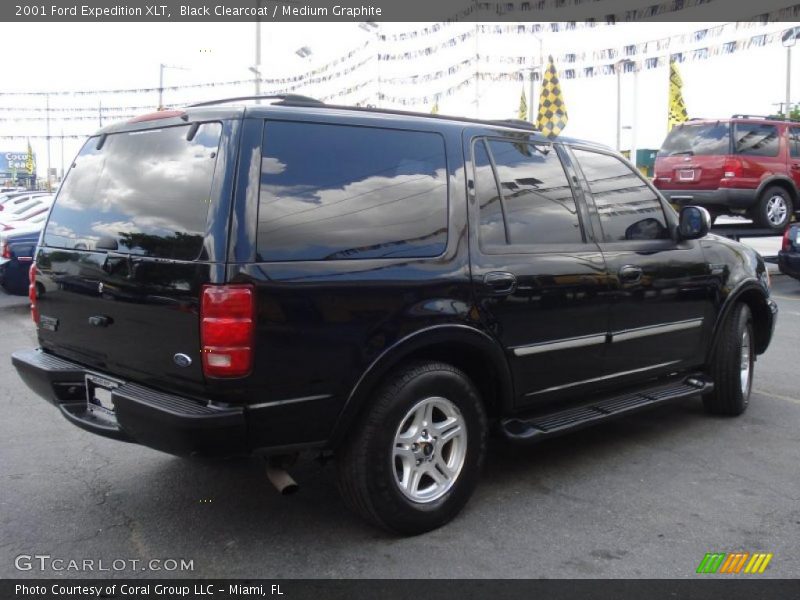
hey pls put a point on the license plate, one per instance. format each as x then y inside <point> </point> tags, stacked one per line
<point>686,175</point>
<point>98,397</point>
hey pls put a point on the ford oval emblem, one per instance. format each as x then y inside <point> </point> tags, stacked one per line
<point>182,360</point>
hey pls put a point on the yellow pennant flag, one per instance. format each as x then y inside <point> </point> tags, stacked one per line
<point>552,110</point>
<point>435,109</point>
<point>523,106</point>
<point>677,108</point>
<point>29,166</point>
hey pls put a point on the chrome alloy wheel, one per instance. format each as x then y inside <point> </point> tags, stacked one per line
<point>429,449</point>
<point>776,209</point>
<point>745,367</point>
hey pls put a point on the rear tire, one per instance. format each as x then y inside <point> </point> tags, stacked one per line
<point>413,460</point>
<point>774,209</point>
<point>731,365</point>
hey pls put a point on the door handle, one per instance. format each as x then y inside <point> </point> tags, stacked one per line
<point>630,273</point>
<point>500,282</point>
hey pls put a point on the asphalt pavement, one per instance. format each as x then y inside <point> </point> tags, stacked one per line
<point>647,496</point>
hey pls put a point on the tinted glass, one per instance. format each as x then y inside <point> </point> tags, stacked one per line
<point>537,199</point>
<point>628,209</point>
<point>341,192</point>
<point>492,227</point>
<point>754,139</point>
<point>144,192</point>
<point>794,141</point>
<point>697,140</point>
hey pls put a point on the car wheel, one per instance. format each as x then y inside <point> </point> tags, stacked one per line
<point>413,460</point>
<point>732,365</point>
<point>774,209</point>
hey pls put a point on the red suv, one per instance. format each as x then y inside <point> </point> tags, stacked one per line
<point>744,165</point>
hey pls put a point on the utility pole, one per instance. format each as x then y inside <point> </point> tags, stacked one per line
<point>62,154</point>
<point>619,106</point>
<point>257,69</point>
<point>161,86</point>
<point>789,38</point>
<point>47,120</point>
<point>100,112</point>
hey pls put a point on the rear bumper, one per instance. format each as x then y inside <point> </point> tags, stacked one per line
<point>723,197</point>
<point>162,421</point>
<point>789,264</point>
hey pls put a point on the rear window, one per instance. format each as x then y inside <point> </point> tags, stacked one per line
<point>142,192</point>
<point>345,192</point>
<point>754,139</point>
<point>697,140</point>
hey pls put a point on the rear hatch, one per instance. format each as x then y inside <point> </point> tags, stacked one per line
<point>123,256</point>
<point>693,156</point>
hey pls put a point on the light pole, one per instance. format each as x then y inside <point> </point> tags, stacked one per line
<point>531,71</point>
<point>257,68</point>
<point>541,74</point>
<point>373,28</point>
<point>161,68</point>
<point>789,38</point>
<point>619,68</point>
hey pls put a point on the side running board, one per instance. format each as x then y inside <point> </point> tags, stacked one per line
<point>547,425</point>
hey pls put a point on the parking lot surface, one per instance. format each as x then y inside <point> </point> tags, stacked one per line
<point>645,496</point>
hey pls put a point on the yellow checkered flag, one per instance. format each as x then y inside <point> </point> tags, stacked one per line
<point>677,108</point>
<point>523,106</point>
<point>552,110</point>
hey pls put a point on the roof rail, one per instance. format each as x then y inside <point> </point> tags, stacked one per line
<point>520,123</point>
<point>768,117</point>
<point>284,98</point>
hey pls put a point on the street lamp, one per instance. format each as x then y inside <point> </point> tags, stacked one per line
<point>618,67</point>
<point>541,74</point>
<point>531,71</point>
<point>789,37</point>
<point>373,28</point>
<point>161,68</point>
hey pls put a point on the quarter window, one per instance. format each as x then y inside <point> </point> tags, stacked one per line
<point>627,207</point>
<point>344,192</point>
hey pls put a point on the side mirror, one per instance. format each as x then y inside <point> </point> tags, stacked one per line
<point>694,222</point>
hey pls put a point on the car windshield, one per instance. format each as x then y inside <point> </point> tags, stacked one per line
<point>700,139</point>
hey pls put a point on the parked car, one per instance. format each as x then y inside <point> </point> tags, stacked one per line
<point>16,257</point>
<point>380,287</point>
<point>34,210</point>
<point>745,166</point>
<point>15,199</point>
<point>789,255</point>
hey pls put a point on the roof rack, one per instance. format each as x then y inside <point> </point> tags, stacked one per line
<point>284,98</point>
<point>520,123</point>
<point>769,118</point>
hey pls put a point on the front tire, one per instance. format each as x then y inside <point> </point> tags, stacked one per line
<point>774,209</point>
<point>732,365</point>
<point>413,460</point>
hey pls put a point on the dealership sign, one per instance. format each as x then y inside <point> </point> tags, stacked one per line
<point>16,163</point>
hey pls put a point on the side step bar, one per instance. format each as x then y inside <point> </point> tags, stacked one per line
<point>547,425</point>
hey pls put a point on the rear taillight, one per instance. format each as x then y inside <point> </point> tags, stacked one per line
<point>227,329</point>
<point>786,246</point>
<point>32,293</point>
<point>6,253</point>
<point>732,168</point>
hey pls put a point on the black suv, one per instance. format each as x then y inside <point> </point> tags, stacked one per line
<point>380,287</point>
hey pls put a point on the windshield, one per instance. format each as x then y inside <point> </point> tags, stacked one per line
<point>701,139</point>
<point>141,192</point>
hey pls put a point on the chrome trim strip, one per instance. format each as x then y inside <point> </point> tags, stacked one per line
<point>288,401</point>
<point>639,332</point>
<point>578,342</point>
<point>603,378</point>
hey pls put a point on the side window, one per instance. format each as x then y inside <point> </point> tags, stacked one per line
<point>493,225</point>
<point>628,209</point>
<point>345,192</point>
<point>794,142</point>
<point>536,200</point>
<point>755,139</point>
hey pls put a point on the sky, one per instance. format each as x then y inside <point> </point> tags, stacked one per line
<point>103,56</point>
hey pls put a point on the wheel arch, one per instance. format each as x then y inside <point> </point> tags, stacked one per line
<point>471,350</point>
<point>781,181</point>
<point>751,293</point>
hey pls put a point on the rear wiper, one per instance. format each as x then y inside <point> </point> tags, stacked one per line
<point>687,152</point>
